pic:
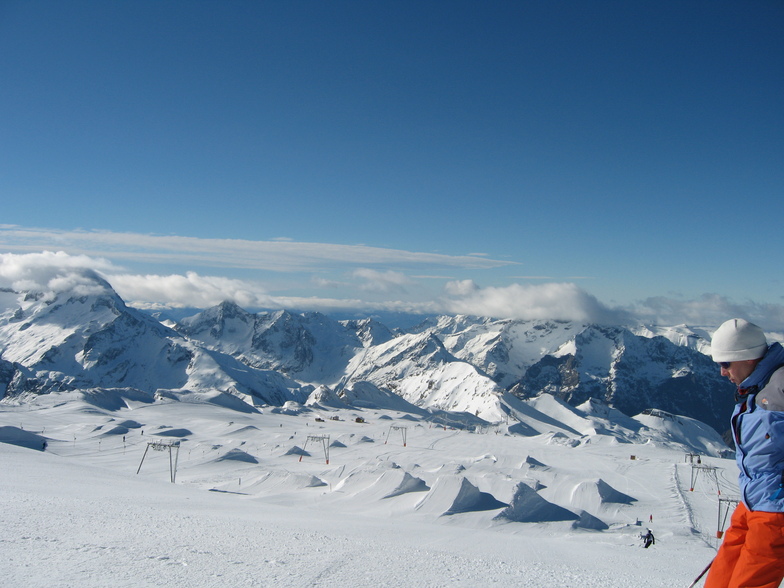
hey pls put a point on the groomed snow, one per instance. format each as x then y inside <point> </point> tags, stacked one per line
<point>248,509</point>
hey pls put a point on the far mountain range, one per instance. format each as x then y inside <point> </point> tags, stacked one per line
<point>89,339</point>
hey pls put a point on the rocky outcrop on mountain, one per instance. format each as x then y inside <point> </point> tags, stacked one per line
<point>310,347</point>
<point>630,369</point>
<point>369,331</point>
<point>632,373</point>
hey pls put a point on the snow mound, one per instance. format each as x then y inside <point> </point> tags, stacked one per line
<point>455,494</point>
<point>282,482</point>
<point>588,521</point>
<point>290,408</point>
<point>22,438</point>
<point>115,398</point>
<point>130,424</point>
<point>297,450</point>
<point>224,400</point>
<point>238,455</point>
<point>366,395</point>
<point>174,433</point>
<point>116,430</point>
<point>324,396</point>
<point>561,439</point>
<point>381,482</point>
<point>528,507</point>
<point>247,429</point>
<point>598,492</point>
<point>610,494</point>
<point>408,484</point>
<point>534,463</point>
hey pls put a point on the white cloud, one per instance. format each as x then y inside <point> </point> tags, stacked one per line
<point>55,271</point>
<point>189,290</point>
<point>377,281</point>
<point>461,288</point>
<point>278,256</point>
<point>707,310</point>
<point>566,301</point>
<point>50,272</point>
<point>325,283</point>
<point>543,301</point>
<point>58,272</point>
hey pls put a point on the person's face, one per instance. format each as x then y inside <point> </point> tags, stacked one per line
<point>737,371</point>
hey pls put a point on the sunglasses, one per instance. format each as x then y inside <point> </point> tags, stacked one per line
<point>725,365</point>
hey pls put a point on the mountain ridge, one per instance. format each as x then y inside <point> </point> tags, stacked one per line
<point>89,338</point>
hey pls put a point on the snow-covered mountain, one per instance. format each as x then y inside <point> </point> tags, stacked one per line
<point>309,347</point>
<point>90,339</point>
<point>630,368</point>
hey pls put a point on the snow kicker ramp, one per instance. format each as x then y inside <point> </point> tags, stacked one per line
<point>528,507</point>
<point>455,494</point>
<point>381,483</point>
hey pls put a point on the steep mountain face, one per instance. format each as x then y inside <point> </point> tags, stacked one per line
<point>309,347</point>
<point>370,331</point>
<point>632,373</point>
<point>503,349</point>
<point>418,368</point>
<point>69,341</point>
<point>631,370</point>
<point>79,340</point>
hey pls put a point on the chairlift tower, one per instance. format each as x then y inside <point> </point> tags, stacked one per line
<point>709,471</point>
<point>323,439</point>
<point>726,505</point>
<point>403,430</point>
<point>164,446</point>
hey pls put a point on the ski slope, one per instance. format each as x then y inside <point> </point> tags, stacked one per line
<point>255,502</point>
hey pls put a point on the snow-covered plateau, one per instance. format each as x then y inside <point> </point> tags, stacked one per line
<point>318,496</point>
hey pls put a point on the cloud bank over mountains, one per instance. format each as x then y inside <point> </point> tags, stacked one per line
<point>57,271</point>
<point>370,280</point>
<point>563,301</point>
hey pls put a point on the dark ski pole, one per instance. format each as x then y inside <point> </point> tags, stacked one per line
<point>702,573</point>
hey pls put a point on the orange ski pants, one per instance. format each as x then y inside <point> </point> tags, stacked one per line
<point>752,553</point>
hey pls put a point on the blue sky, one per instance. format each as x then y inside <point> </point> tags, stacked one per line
<point>524,159</point>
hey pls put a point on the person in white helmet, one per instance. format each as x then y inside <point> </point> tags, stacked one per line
<point>752,553</point>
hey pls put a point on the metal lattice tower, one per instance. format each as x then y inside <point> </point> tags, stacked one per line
<point>726,505</point>
<point>164,446</point>
<point>324,439</point>
<point>709,471</point>
<point>403,431</point>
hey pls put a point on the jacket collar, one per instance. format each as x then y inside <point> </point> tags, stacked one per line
<point>771,361</point>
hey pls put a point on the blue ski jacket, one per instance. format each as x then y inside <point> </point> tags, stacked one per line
<point>758,430</point>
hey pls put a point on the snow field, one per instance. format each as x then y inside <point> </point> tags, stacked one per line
<point>245,511</point>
